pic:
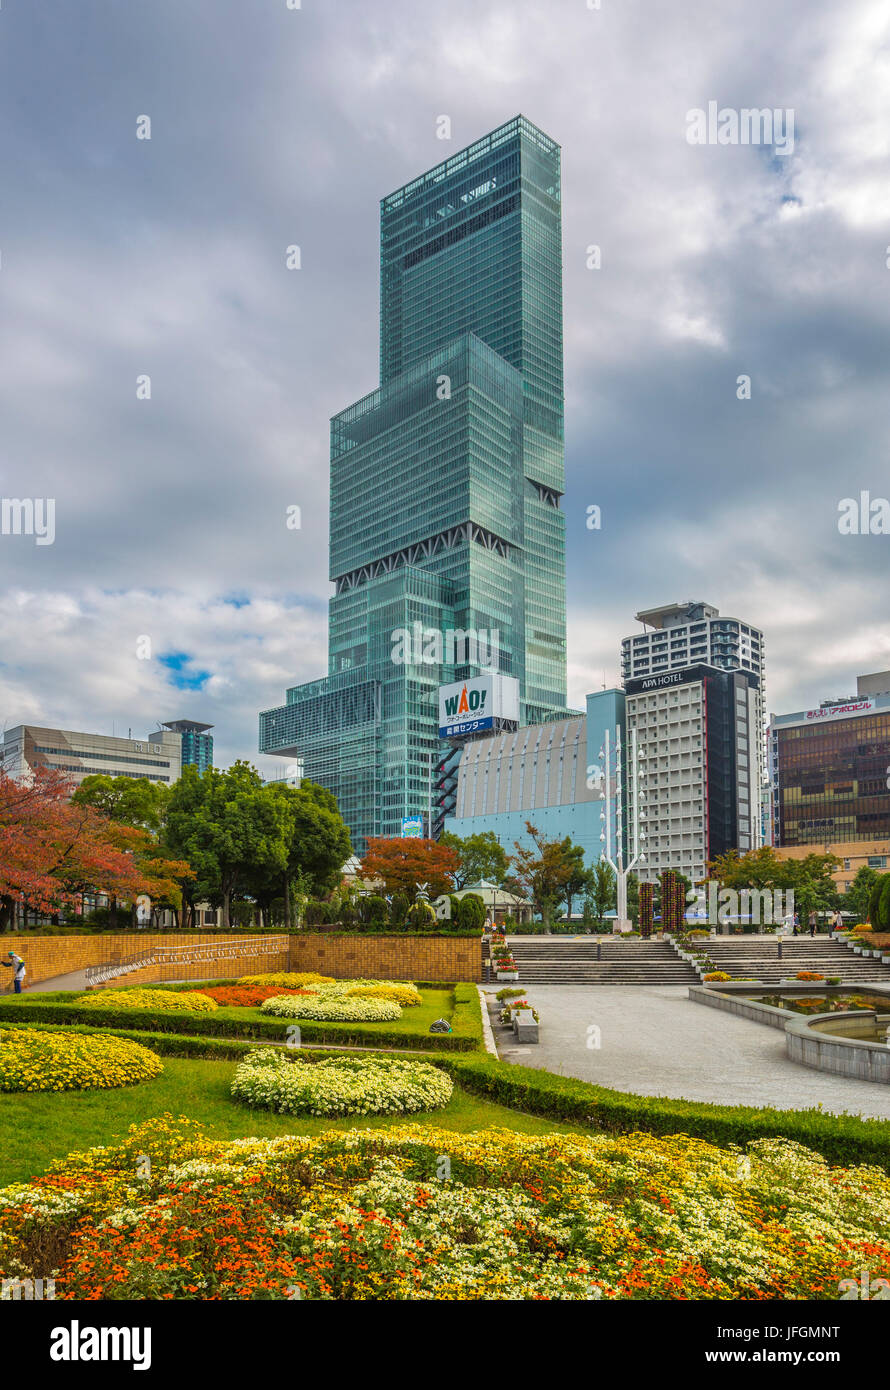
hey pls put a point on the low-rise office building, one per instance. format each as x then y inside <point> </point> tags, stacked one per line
<point>829,770</point>
<point>853,854</point>
<point>543,773</point>
<point>81,755</point>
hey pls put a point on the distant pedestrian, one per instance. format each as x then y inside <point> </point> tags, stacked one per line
<point>812,921</point>
<point>16,964</point>
<point>796,931</point>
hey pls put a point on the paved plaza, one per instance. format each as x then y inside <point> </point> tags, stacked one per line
<point>655,1041</point>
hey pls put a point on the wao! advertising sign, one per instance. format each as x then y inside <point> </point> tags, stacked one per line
<point>467,707</point>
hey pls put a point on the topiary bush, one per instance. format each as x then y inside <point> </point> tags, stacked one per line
<point>398,909</point>
<point>471,912</point>
<point>421,917</point>
<point>373,911</point>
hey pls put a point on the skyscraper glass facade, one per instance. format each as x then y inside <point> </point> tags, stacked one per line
<point>446,481</point>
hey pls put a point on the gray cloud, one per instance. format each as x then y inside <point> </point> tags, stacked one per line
<point>272,127</point>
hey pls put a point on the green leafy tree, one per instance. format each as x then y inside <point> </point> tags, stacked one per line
<point>579,879</point>
<point>229,828</point>
<point>856,898</point>
<point>480,857</point>
<point>131,801</point>
<point>633,898</point>
<point>602,892</point>
<point>317,838</point>
<point>542,871</point>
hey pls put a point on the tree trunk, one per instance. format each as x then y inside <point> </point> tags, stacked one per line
<point>286,904</point>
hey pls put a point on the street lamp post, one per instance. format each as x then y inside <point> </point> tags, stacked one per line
<point>615,858</point>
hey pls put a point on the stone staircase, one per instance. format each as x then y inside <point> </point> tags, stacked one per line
<point>758,956</point>
<point>556,960</point>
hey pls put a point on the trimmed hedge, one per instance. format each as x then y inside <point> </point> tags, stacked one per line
<point>465,1035</point>
<point>841,1139</point>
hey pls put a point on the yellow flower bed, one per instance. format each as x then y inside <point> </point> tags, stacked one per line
<point>287,979</point>
<point>404,994</point>
<point>182,1001</point>
<point>34,1060</point>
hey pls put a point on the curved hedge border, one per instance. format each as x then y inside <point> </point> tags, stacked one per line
<point>841,1139</point>
<point>465,1035</point>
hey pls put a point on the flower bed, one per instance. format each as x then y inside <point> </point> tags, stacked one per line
<point>331,1007</point>
<point>365,1215</point>
<point>339,1086</point>
<point>247,996</point>
<point>39,1060</point>
<point>405,995</point>
<point>288,979</point>
<point>184,1001</point>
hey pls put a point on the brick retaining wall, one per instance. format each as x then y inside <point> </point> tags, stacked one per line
<point>46,957</point>
<point>456,958</point>
<point>450,958</point>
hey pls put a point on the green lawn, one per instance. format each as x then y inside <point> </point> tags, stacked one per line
<point>37,1128</point>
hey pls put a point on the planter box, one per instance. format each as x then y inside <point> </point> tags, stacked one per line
<point>506,975</point>
<point>525,1028</point>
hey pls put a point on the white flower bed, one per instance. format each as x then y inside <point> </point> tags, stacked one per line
<point>334,1006</point>
<point>341,1086</point>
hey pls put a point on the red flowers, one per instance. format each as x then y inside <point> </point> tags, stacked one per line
<point>247,996</point>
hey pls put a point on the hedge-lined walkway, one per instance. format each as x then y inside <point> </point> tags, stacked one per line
<point>654,1041</point>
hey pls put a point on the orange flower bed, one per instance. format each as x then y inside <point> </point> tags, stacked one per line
<point>247,996</point>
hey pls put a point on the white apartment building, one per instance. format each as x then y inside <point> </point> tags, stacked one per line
<point>679,635</point>
<point>695,780</point>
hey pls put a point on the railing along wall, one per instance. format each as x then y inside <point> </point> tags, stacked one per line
<point>206,952</point>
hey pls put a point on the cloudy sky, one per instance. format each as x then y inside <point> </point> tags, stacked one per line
<point>270,126</point>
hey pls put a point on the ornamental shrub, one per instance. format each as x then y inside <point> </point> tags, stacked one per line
<point>421,917</point>
<point>373,910</point>
<point>471,913</point>
<point>331,1007</point>
<point>38,1060</point>
<point>317,913</point>
<point>398,910</point>
<point>179,1000</point>
<point>339,1085</point>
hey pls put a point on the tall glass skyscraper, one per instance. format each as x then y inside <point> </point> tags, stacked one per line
<point>445,482</point>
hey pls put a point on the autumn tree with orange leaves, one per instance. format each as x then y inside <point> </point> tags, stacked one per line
<point>53,850</point>
<point>402,864</point>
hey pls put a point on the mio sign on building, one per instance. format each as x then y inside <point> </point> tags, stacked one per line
<point>470,706</point>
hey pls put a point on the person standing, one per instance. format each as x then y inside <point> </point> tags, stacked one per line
<point>812,923</point>
<point>796,931</point>
<point>17,965</point>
